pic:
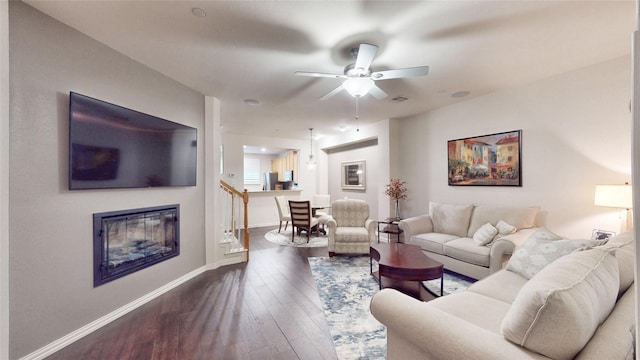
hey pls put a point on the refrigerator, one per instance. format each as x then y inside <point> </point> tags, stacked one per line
<point>270,180</point>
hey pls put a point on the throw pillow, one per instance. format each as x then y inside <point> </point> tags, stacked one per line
<point>485,234</point>
<point>558,311</point>
<point>450,218</point>
<point>625,255</point>
<point>504,228</point>
<point>542,248</point>
<point>520,217</point>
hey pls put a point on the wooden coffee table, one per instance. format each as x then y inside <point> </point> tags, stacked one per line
<point>404,262</point>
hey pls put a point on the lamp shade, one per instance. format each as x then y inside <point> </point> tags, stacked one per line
<point>357,86</point>
<point>616,196</point>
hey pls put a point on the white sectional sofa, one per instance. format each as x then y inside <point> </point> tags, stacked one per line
<point>451,234</point>
<point>580,306</point>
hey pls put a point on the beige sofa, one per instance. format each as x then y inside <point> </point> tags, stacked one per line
<point>580,306</point>
<point>449,234</point>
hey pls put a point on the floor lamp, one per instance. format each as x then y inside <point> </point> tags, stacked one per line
<point>616,196</point>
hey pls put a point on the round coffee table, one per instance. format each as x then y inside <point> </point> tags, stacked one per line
<point>404,262</point>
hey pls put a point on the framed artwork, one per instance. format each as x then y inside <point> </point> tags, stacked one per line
<point>487,160</point>
<point>602,235</point>
<point>353,175</point>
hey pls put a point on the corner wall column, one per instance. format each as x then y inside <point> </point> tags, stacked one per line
<point>212,140</point>
<point>4,180</point>
<point>635,155</point>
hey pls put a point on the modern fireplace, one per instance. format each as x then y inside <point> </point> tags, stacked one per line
<point>126,241</point>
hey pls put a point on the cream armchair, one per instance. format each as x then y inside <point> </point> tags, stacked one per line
<point>350,229</point>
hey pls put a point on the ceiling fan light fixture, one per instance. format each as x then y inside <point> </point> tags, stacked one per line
<point>358,87</point>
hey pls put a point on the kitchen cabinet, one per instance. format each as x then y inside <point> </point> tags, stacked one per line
<point>288,161</point>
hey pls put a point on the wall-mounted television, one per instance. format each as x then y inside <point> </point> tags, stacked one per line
<point>114,147</point>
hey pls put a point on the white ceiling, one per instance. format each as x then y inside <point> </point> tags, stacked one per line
<point>250,50</point>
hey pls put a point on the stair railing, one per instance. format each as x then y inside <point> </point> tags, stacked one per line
<point>230,214</point>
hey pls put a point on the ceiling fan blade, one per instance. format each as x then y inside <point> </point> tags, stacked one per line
<point>317,74</point>
<point>377,92</point>
<point>331,93</point>
<point>400,73</point>
<point>366,53</point>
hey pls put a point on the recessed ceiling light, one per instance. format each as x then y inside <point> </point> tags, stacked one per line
<point>198,12</point>
<point>460,94</point>
<point>251,102</point>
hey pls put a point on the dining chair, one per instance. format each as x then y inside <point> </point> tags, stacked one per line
<point>301,219</point>
<point>283,212</point>
<point>320,208</point>
<point>321,205</point>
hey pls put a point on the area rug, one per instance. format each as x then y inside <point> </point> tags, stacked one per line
<point>284,238</point>
<point>345,287</point>
<point>453,282</point>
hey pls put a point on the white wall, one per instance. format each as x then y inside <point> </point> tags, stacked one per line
<point>262,207</point>
<point>636,155</point>
<point>265,166</point>
<point>371,144</point>
<point>51,289</point>
<point>576,133</point>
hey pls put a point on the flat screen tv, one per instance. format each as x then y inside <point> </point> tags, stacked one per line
<point>114,147</point>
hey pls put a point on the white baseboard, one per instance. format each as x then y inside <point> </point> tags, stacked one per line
<point>100,322</point>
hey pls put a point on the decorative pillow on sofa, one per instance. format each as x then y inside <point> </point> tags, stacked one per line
<point>504,229</point>
<point>559,310</point>
<point>542,248</point>
<point>485,234</point>
<point>520,217</point>
<point>450,219</point>
<point>624,247</point>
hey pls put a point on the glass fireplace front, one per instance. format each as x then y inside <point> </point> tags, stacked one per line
<point>126,241</point>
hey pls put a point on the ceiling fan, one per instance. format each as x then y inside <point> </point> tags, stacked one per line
<point>360,79</point>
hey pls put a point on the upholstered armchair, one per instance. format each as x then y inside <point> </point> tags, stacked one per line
<point>350,229</point>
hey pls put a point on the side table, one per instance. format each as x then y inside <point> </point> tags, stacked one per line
<point>389,227</point>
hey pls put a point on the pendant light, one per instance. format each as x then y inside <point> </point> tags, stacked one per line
<point>311,164</point>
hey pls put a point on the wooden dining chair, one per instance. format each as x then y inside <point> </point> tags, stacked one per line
<point>301,219</point>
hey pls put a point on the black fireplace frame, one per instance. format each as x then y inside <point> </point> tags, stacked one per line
<point>102,273</point>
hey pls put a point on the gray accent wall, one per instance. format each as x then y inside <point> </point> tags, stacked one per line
<point>50,267</point>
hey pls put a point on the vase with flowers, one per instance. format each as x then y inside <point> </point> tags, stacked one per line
<point>397,190</point>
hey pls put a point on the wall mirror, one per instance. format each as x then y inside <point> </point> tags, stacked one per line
<point>353,175</point>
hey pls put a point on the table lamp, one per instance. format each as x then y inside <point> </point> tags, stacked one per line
<point>616,196</point>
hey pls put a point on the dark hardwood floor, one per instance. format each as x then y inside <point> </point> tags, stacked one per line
<point>267,308</point>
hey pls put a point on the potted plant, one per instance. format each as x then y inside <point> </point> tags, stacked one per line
<point>397,190</point>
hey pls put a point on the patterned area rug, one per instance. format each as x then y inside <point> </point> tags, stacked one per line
<point>453,282</point>
<point>284,238</point>
<point>345,287</point>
